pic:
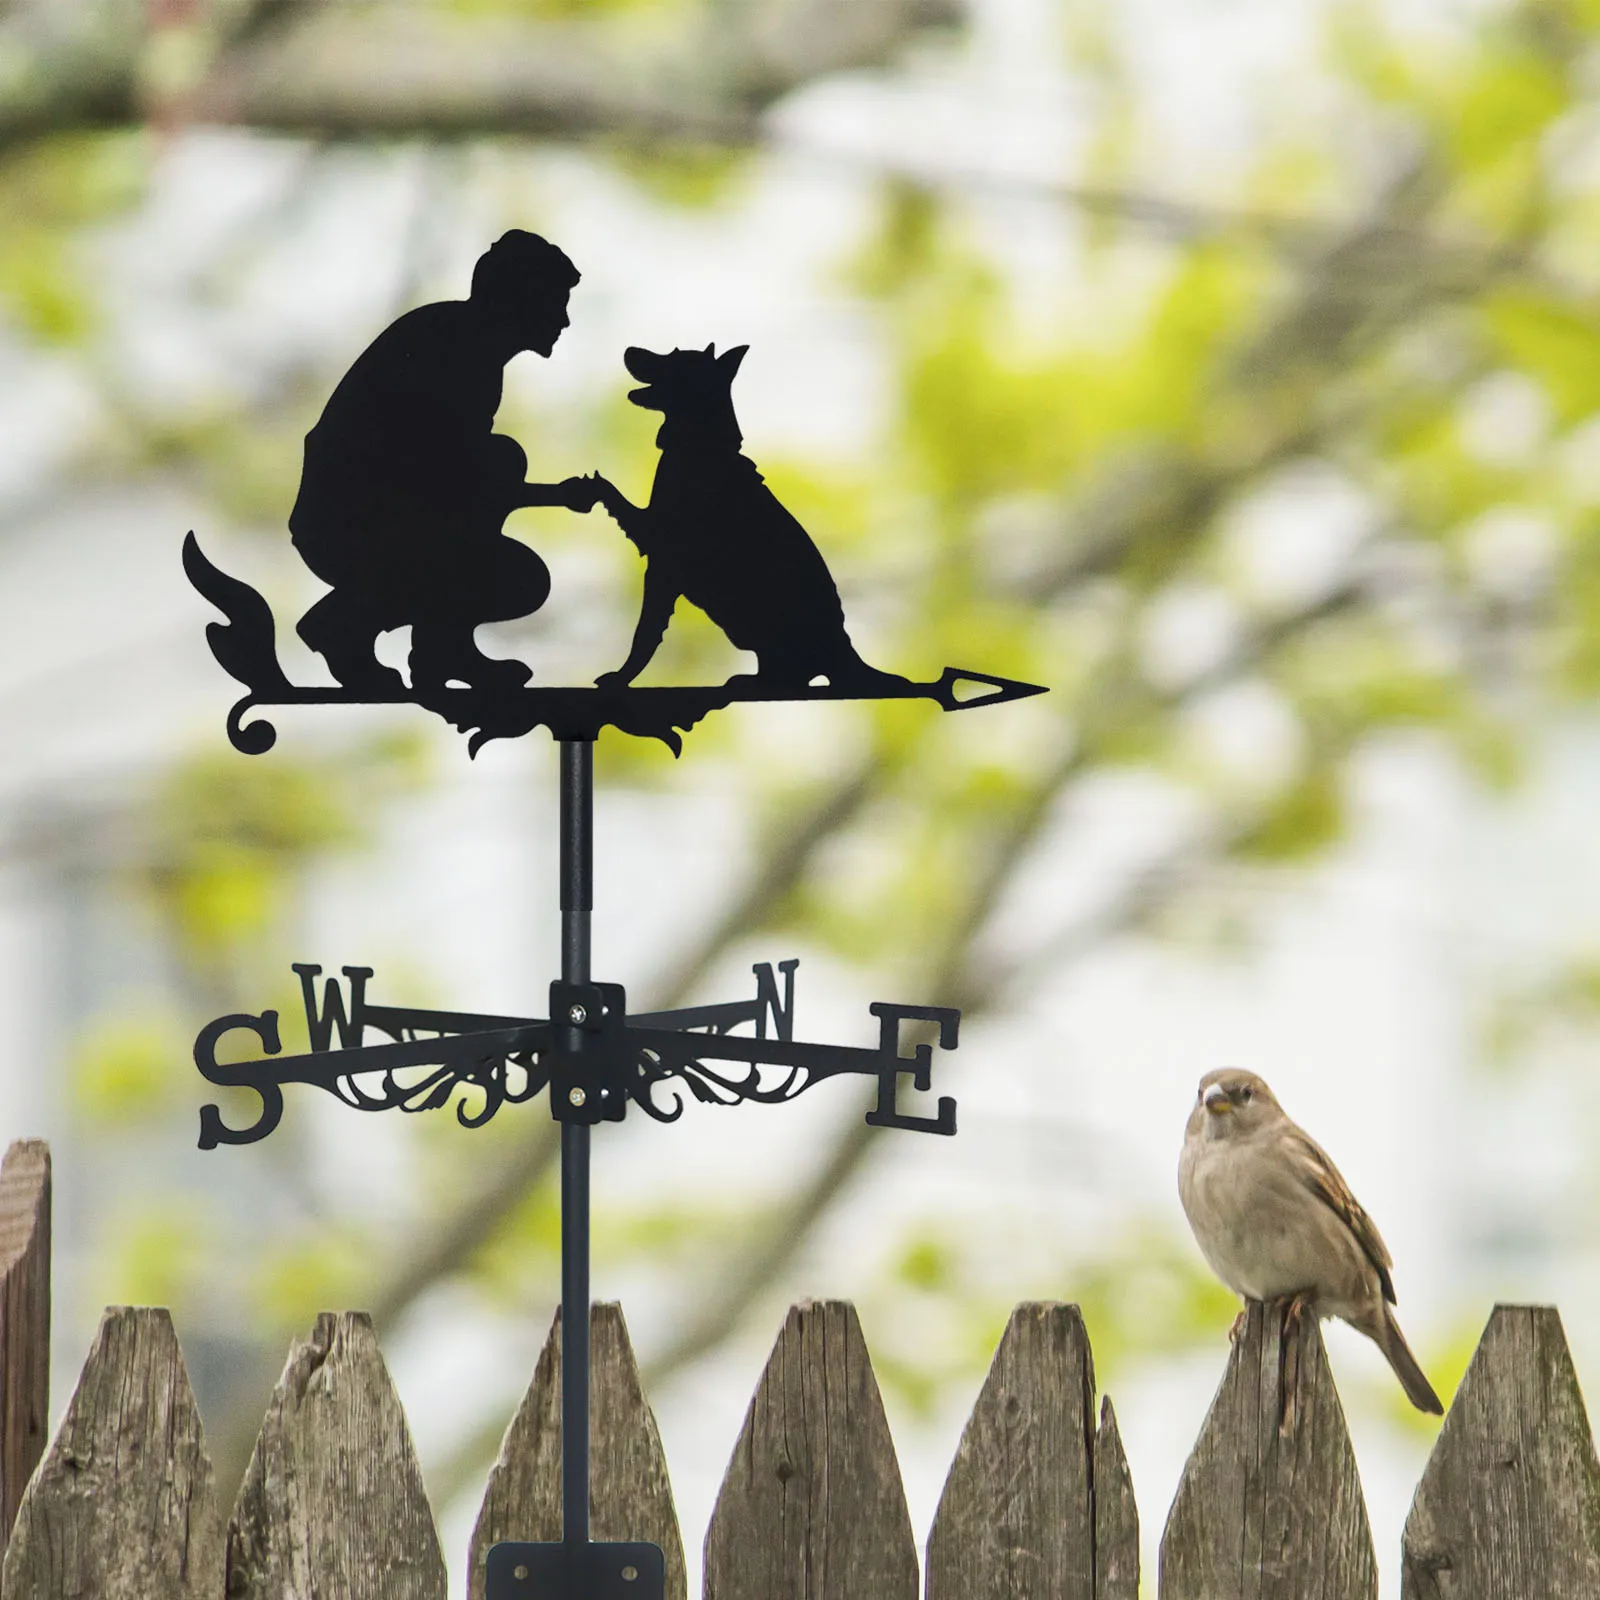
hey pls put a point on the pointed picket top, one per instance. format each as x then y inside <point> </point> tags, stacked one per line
<point>1017,1518</point>
<point>1270,1506</point>
<point>630,1495</point>
<point>1116,1516</point>
<point>24,1320</point>
<point>811,1506</point>
<point>1509,1504</point>
<point>124,1504</point>
<point>332,1502</point>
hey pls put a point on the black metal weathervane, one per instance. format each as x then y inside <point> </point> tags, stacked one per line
<point>403,492</point>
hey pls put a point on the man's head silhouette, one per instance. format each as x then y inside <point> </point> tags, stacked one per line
<point>522,282</point>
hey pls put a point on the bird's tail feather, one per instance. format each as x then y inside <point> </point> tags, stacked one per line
<point>1413,1380</point>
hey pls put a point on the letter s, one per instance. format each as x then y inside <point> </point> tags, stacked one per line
<point>239,1075</point>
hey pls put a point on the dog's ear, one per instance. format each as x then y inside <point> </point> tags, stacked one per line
<point>730,359</point>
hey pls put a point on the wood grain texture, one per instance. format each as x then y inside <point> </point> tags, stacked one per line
<point>811,1507</point>
<point>332,1502</point>
<point>1016,1519</point>
<point>1264,1513</point>
<point>124,1505</point>
<point>630,1494</point>
<point>24,1320</point>
<point>1509,1505</point>
<point>1116,1516</point>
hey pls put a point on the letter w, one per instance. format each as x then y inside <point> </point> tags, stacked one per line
<point>320,1028</point>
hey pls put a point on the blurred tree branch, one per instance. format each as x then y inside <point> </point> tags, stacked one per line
<point>398,71</point>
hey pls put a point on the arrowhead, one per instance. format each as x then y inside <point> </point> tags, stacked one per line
<point>955,689</point>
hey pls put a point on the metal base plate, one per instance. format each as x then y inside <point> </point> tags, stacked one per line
<point>576,1572</point>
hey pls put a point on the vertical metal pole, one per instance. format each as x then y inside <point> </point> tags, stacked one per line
<point>577,900</point>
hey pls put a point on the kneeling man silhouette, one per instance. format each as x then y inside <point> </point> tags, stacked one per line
<point>406,484</point>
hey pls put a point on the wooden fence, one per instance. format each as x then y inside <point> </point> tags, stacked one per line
<point>1038,1504</point>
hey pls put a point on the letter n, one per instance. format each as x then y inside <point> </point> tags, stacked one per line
<point>779,1013</point>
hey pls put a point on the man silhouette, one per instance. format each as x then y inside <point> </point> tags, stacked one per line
<point>405,483</point>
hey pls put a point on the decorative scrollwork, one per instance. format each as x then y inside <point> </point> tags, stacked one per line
<point>707,1085</point>
<point>507,1079</point>
<point>253,738</point>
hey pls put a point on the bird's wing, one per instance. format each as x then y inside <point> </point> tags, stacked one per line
<point>1323,1179</point>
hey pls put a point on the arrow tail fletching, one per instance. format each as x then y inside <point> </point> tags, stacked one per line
<point>246,644</point>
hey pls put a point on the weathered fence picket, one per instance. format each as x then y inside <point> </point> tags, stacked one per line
<point>332,1501</point>
<point>24,1320</point>
<point>1116,1515</point>
<point>811,1506</point>
<point>1269,1506</point>
<point>1510,1501</point>
<point>1019,1517</point>
<point>630,1496</point>
<point>123,1506</point>
<point>1038,1503</point>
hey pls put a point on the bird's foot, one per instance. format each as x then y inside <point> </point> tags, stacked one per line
<point>1294,1309</point>
<point>1238,1325</point>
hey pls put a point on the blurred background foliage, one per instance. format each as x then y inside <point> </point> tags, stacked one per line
<point>1065,486</point>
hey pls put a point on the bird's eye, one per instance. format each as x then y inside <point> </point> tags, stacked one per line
<point>1246,1094</point>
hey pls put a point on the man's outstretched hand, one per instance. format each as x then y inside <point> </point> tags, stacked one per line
<point>582,493</point>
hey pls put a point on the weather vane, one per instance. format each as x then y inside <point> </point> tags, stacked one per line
<point>403,493</point>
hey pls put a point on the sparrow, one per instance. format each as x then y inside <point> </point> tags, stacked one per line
<point>1275,1220</point>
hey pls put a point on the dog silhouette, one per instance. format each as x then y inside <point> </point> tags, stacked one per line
<point>716,535</point>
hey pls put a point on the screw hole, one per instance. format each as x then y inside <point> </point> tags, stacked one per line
<point>520,1574</point>
<point>629,1574</point>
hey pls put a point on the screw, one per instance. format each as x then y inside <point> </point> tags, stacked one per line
<point>577,1016</point>
<point>576,1096</point>
<point>629,1574</point>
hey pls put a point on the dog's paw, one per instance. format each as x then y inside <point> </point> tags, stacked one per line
<point>609,497</point>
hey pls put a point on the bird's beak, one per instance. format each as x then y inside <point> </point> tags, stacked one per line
<point>1216,1100</point>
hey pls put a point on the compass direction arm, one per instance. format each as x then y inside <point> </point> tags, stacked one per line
<point>478,1059</point>
<point>767,1009</point>
<point>818,1061</point>
<point>669,1053</point>
<point>349,1020</point>
<point>400,1022</point>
